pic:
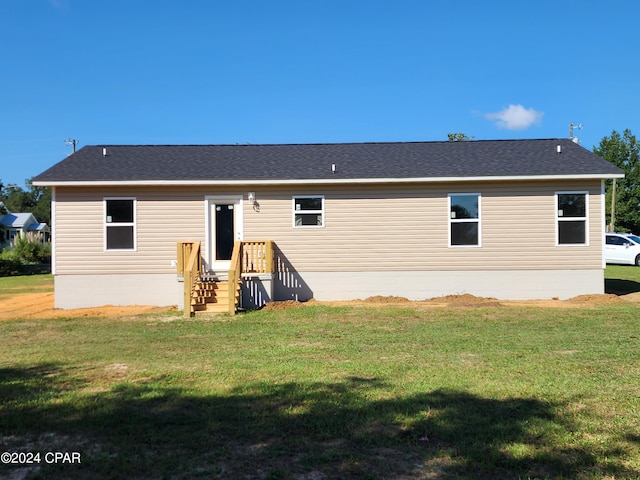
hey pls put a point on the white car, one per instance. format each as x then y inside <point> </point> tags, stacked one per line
<point>622,248</point>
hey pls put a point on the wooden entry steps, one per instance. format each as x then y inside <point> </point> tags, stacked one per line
<point>210,292</point>
<point>212,296</point>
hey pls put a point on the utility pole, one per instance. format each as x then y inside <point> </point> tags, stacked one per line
<point>612,225</point>
<point>71,142</point>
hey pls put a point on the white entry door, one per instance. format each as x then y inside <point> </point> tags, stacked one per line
<point>224,227</point>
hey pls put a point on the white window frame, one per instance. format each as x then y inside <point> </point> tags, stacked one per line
<point>560,218</point>
<point>309,212</point>
<point>120,224</point>
<point>466,220</point>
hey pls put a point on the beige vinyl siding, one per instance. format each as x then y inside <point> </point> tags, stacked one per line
<point>406,228</point>
<point>367,228</point>
<point>163,217</point>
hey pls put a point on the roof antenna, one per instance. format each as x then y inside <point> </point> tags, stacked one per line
<point>571,127</point>
<point>71,142</point>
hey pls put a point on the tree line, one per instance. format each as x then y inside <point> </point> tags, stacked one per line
<point>623,151</point>
<point>31,199</point>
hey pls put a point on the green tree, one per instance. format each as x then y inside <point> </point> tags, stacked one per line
<point>459,137</point>
<point>41,199</point>
<point>624,152</point>
<point>36,200</point>
<point>3,211</point>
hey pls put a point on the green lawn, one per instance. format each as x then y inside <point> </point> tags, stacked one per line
<point>622,279</point>
<point>328,392</point>
<point>10,286</point>
<point>25,284</point>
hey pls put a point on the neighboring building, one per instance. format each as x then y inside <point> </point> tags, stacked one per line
<point>512,219</point>
<point>15,225</point>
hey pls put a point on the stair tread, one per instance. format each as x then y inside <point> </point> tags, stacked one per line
<point>212,295</point>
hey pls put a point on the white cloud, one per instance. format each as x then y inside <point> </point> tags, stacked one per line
<point>515,117</point>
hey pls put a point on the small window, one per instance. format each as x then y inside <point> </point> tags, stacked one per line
<point>611,240</point>
<point>572,218</point>
<point>120,224</point>
<point>308,211</point>
<point>464,219</point>
<point>614,240</point>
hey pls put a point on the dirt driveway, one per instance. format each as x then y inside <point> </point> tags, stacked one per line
<point>40,305</point>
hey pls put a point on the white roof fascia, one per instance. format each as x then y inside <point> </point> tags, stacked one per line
<point>330,181</point>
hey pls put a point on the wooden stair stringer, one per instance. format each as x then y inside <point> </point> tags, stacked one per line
<point>213,296</point>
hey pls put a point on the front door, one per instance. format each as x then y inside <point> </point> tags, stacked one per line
<point>225,231</point>
<point>225,227</point>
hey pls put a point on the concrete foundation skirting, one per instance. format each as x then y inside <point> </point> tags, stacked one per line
<point>504,285</point>
<point>83,291</point>
<point>257,290</point>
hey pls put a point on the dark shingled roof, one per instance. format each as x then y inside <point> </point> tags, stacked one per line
<point>353,161</point>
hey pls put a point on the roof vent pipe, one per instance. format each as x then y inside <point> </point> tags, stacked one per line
<point>104,151</point>
<point>333,168</point>
<point>559,149</point>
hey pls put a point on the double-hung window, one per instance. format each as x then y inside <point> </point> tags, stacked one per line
<point>120,223</point>
<point>308,211</point>
<point>571,215</point>
<point>464,219</point>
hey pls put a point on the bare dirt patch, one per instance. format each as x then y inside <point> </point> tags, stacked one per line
<point>468,301</point>
<point>40,305</point>
<point>606,299</point>
<point>283,305</point>
<point>632,297</point>
<point>385,299</point>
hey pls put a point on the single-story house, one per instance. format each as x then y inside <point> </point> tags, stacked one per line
<point>22,224</point>
<point>512,219</point>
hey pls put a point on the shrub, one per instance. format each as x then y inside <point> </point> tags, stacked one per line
<point>27,250</point>
<point>9,267</point>
<point>30,251</point>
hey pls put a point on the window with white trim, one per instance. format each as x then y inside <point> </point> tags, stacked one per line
<point>464,219</point>
<point>120,223</point>
<point>308,211</point>
<point>571,215</point>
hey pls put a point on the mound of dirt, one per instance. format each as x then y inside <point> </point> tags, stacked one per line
<point>604,299</point>
<point>632,297</point>
<point>468,300</point>
<point>385,299</point>
<point>283,305</point>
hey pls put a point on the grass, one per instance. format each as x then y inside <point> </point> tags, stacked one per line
<point>622,279</point>
<point>10,286</point>
<point>328,392</point>
<point>25,284</point>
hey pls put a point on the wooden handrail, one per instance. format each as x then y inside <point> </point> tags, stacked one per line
<point>269,257</point>
<point>235,271</point>
<point>189,263</point>
<point>257,256</point>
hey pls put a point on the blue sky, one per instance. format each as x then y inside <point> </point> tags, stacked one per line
<point>309,71</point>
